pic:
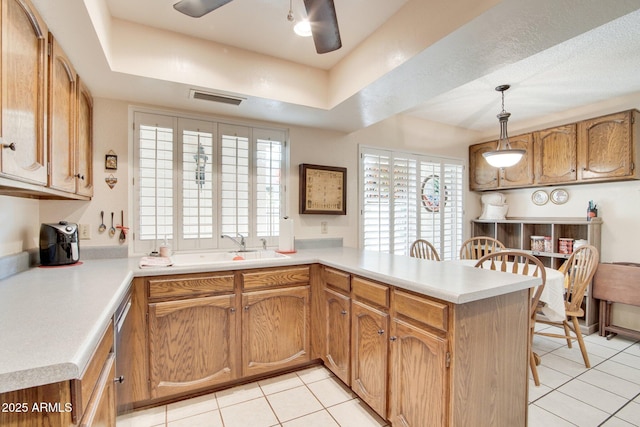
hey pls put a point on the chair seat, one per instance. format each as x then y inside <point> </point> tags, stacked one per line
<point>577,313</point>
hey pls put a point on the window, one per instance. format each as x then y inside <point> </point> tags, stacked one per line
<point>196,180</point>
<point>407,196</point>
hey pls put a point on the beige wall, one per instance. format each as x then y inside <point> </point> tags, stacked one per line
<point>618,203</point>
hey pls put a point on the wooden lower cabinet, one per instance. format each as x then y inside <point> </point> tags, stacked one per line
<point>102,407</point>
<point>275,329</point>
<point>337,334</point>
<point>369,345</point>
<point>419,378</point>
<point>192,344</point>
<point>87,401</point>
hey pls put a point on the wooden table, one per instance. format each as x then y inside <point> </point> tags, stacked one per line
<point>616,282</point>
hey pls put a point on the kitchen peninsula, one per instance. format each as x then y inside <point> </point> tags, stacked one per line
<point>467,327</point>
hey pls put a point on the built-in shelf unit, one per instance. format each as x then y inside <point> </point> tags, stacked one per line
<point>515,233</point>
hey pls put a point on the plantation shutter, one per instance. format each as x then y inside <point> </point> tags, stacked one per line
<point>407,196</point>
<point>154,159</point>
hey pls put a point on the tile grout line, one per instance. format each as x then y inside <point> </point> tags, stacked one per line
<point>620,409</point>
<point>587,370</point>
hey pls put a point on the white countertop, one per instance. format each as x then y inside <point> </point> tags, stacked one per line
<point>52,318</point>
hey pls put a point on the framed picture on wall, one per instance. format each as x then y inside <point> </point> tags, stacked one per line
<point>323,190</point>
<point>111,161</point>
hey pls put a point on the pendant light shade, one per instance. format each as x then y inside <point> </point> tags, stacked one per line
<point>504,156</point>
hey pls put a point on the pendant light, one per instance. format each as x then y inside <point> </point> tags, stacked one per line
<point>504,156</point>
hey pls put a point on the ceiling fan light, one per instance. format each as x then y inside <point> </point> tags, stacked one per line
<point>503,158</point>
<point>302,28</point>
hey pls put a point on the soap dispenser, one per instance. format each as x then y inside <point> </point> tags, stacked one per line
<point>165,249</point>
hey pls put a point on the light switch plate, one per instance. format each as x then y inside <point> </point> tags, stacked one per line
<point>84,231</point>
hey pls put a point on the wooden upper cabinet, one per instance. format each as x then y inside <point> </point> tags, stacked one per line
<point>482,176</point>
<point>520,174</point>
<point>555,152</point>
<point>599,149</point>
<point>607,146</point>
<point>62,119</point>
<point>84,151</point>
<point>23,96</point>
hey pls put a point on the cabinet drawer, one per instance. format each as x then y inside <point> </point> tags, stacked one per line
<point>82,389</point>
<point>370,291</point>
<point>429,312</point>
<point>276,277</point>
<point>191,285</point>
<point>336,279</point>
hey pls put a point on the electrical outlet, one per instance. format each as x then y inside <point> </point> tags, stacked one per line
<point>324,227</point>
<point>84,231</point>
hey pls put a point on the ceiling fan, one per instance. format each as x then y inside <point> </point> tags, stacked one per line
<point>321,14</point>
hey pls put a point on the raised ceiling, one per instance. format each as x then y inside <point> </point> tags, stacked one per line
<point>434,59</point>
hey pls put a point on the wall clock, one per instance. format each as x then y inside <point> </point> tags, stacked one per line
<point>559,196</point>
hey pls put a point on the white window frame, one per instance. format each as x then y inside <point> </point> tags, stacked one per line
<point>400,238</point>
<point>180,122</point>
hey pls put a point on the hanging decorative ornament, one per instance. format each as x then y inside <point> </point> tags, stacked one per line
<point>111,181</point>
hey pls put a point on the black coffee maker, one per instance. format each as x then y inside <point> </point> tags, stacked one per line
<point>59,244</point>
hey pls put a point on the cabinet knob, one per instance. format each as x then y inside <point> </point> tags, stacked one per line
<point>79,176</point>
<point>343,312</point>
<point>393,338</point>
<point>233,310</point>
<point>381,332</point>
<point>246,308</point>
<point>11,146</point>
<point>119,379</point>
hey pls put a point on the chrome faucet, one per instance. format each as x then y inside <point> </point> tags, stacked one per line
<point>242,243</point>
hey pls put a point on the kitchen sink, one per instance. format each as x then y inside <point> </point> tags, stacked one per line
<point>190,259</point>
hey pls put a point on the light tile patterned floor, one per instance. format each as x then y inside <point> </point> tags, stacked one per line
<point>608,395</point>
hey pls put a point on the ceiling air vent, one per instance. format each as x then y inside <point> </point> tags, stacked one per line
<point>214,97</point>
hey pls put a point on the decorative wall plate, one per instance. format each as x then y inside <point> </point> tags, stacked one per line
<point>540,197</point>
<point>559,196</point>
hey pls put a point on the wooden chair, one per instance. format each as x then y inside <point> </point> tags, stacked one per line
<point>424,249</point>
<point>477,247</point>
<point>517,262</point>
<point>580,269</point>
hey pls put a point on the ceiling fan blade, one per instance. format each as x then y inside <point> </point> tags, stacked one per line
<point>324,25</point>
<point>198,8</point>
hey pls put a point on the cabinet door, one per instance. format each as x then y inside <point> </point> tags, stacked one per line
<point>556,155</point>
<point>102,407</point>
<point>337,352</point>
<point>419,377</point>
<point>521,174</point>
<point>482,176</point>
<point>605,147</point>
<point>275,329</point>
<point>24,90</point>
<point>84,151</point>
<point>62,116</point>
<point>192,344</point>
<point>369,355</point>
